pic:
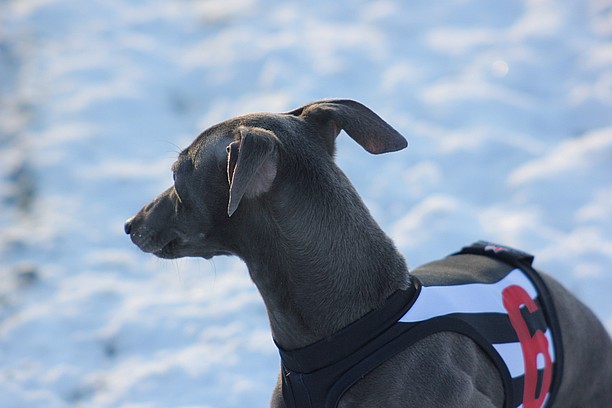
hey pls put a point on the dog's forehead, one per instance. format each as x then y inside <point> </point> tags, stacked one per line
<point>213,135</point>
<point>224,131</point>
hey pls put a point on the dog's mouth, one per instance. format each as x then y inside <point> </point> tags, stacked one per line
<point>174,244</point>
<point>152,244</point>
<point>169,250</point>
<point>178,248</point>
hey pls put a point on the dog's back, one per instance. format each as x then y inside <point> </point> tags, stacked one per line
<point>584,347</point>
<point>587,373</point>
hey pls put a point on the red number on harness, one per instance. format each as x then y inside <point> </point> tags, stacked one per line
<point>514,297</point>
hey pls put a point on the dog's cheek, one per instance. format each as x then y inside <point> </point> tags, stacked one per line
<point>207,207</point>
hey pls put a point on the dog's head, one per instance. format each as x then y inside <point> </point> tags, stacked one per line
<point>243,162</point>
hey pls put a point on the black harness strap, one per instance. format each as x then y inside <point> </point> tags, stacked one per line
<point>309,372</point>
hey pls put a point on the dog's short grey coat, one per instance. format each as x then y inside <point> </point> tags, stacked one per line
<point>265,187</point>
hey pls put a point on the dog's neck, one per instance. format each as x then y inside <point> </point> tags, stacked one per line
<point>318,276</point>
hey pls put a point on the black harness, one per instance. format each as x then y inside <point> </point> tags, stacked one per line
<point>316,376</point>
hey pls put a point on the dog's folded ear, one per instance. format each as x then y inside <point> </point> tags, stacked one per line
<point>360,123</point>
<point>251,165</point>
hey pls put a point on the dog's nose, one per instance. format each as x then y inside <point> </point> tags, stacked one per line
<point>127,227</point>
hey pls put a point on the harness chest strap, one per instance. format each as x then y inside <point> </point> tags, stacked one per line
<point>315,375</point>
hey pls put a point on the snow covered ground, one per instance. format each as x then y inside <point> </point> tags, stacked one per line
<point>507,105</point>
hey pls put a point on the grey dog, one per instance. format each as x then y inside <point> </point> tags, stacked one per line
<point>265,187</point>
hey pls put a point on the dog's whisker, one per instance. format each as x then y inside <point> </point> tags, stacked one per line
<point>176,147</point>
<point>177,268</point>
<point>214,268</point>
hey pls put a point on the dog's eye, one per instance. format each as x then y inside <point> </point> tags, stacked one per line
<point>174,176</point>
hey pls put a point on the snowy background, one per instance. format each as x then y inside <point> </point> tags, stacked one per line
<point>507,106</point>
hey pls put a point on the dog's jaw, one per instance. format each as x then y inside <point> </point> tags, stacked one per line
<point>171,245</point>
<point>152,242</point>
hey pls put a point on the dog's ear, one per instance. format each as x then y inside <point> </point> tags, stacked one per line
<point>360,123</point>
<point>251,165</point>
